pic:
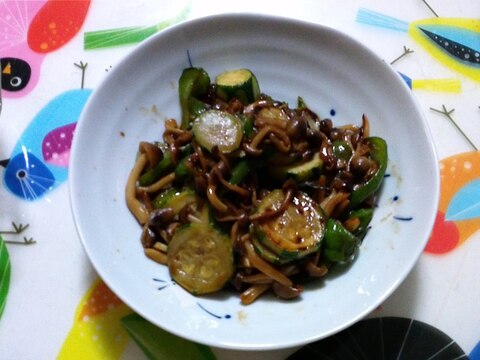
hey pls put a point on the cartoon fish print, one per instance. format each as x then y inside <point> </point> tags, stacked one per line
<point>454,42</point>
<point>30,30</point>
<point>15,17</point>
<point>39,160</point>
<point>437,85</point>
<point>15,74</point>
<point>458,215</point>
<point>97,332</point>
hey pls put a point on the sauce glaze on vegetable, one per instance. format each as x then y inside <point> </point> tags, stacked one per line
<point>250,193</point>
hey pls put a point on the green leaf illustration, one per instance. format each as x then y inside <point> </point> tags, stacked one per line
<point>159,344</point>
<point>4,275</point>
<point>128,35</point>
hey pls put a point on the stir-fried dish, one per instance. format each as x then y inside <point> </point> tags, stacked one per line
<point>249,193</point>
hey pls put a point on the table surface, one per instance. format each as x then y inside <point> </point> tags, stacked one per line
<point>47,285</point>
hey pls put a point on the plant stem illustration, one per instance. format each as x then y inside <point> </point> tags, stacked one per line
<point>17,230</point>
<point>448,113</point>
<point>406,51</point>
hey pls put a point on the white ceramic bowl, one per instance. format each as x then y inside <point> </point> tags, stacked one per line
<point>338,78</point>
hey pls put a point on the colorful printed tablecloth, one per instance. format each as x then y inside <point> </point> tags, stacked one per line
<point>53,53</point>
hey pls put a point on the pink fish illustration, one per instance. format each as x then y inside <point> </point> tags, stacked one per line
<point>56,145</point>
<point>30,29</point>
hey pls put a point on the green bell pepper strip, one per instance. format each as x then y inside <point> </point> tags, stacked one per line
<point>196,107</point>
<point>248,128</point>
<point>156,172</point>
<point>364,217</point>
<point>339,244</point>
<point>379,154</point>
<point>182,171</point>
<point>301,104</point>
<point>193,82</point>
<point>163,165</point>
<point>239,172</point>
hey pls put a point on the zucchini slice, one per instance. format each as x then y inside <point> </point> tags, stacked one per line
<point>200,258</point>
<point>175,199</point>
<point>266,253</point>
<point>240,84</point>
<point>295,233</point>
<point>218,128</point>
<point>302,171</point>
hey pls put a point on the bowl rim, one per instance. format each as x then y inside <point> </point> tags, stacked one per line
<point>279,20</point>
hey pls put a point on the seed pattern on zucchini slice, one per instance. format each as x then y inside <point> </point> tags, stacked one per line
<point>200,258</point>
<point>296,232</point>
